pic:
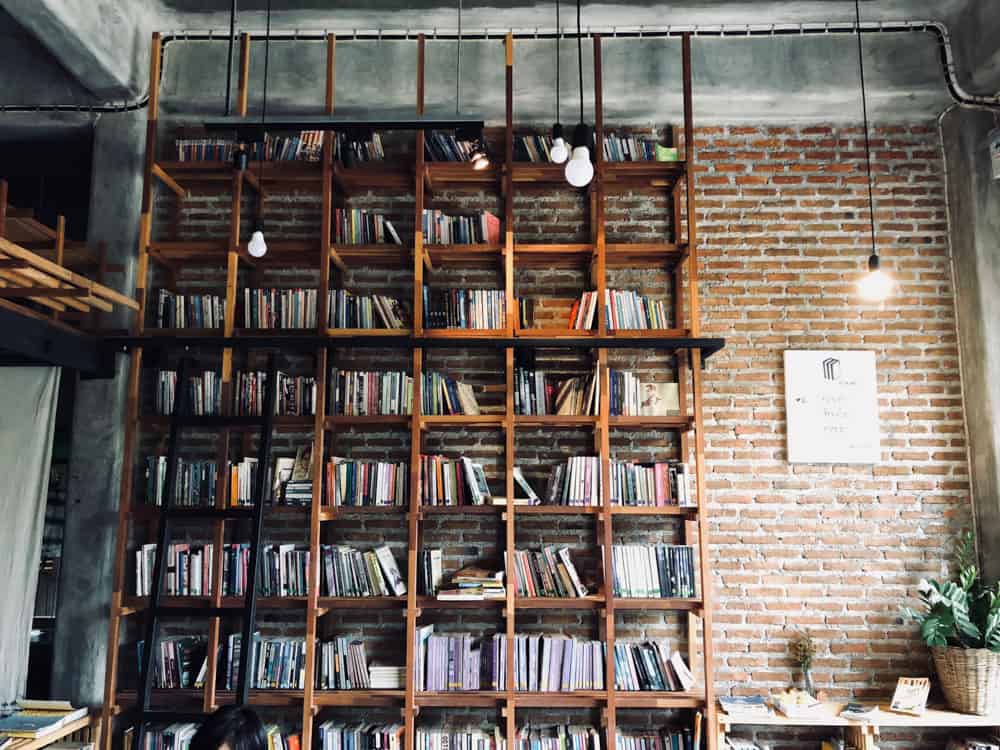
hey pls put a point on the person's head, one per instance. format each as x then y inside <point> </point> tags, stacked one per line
<point>231,728</point>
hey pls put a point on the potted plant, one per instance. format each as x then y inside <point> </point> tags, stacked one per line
<point>803,652</point>
<point>960,621</point>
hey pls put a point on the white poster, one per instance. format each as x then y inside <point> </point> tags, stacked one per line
<point>831,403</point>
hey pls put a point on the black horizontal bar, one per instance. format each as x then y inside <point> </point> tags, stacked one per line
<point>196,611</point>
<point>326,122</point>
<point>29,341</point>
<point>217,513</point>
<point>218,421</point>
<point>708,346</point>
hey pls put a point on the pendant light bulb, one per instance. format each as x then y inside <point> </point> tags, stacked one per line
<point>257,247</point>
<point>876,285</point>
<point>479,159</point>
<point>579,168</point>
<point>559,152</point>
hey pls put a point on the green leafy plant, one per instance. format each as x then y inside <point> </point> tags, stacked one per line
<point>962,612</point>
<point>803,649</point>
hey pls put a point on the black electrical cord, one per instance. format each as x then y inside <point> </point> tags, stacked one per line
<point>579,56</point>
<point>558,39</point>
<point>263,112</point>
<point>864,113</point>
<point>458,63</point>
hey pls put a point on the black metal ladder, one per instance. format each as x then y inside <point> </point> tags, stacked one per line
<point>169,513</point>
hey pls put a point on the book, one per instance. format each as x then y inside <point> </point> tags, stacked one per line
<point>464,308</point>
<point>659,484</point>
<point>431,572</point>
<point>335,735</point>
<point>452,482</point>
<point>664,739</point>
<point>628,147</point>
<point>474,583</point>
<point>546,573</point>
<point>189,310</point>
<point>349,572</point>
<point>653,571</point>
<point>204,393</point>
<point>910,696</point>
<point>354,482</point>
<point>460,738</point>
<point>578,481</point>
<point>359,226</point>
<point>350,150</point>
<point>279,308</point>
<point>390,570</point>
<point>796,703</point>
<point>442,395</point>
<point>521,483</point>
<point>284,570</point>
<point>367,393</point>
<point>632,397</point>
<point>745,706</point>
<point>558,663</point>
<point>459,661</point>
<point>295,394</point>
<point>858,711</point>
<point>38,719</point>
<point>348,310</point>
<point>471,229</point>
<point>176,736</point>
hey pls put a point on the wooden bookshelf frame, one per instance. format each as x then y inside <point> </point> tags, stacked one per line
<point>678,255</point>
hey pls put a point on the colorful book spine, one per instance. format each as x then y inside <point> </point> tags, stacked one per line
<point>279,308</point>
<point>363,483</point>
<point>465,308</point>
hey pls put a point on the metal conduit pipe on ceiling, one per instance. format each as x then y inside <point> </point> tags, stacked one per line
<point>955,88</point>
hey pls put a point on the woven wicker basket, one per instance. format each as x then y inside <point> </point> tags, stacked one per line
<point>970,678</point>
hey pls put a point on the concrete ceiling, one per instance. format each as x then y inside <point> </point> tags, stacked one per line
<point>97,51</point>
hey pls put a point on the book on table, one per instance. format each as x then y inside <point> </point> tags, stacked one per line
<point>35,719</point>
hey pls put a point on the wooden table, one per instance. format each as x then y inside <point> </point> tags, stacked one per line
<point>85,729</point>
<point>861,734</point>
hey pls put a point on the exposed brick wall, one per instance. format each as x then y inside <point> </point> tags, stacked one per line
<point>782,237</point>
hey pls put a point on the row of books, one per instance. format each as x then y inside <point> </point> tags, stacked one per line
<point>624,309</point>
<point>630,396</point>
<point>465,308</point>
<point>474,583</point>
<point>440,146</point>
<point>628,148</point>
<point>575,482</point>
<point>650,665</point>
<point>472,229</point>
<point>189,568</point>
<point>459,661</point>
<point>342,665</point>
<point>359,226</point>
<point>189,310</point>
<point>441,395</point>
<point>368,393</point>
<point>178,736</point>
<point>296,394</point>
<point>557,663</point>
<point>430,570</point>
<point>277,663</point>
<point>533,148</point>
<point>459,738</point>
<point>204,393</point>
<point>350,150</point>
<point>353,482</point>
<point>535,393</point>
<point>350,572</point>
<point>284,570</point>
<point>179,661</point>
<point>304,146</point>
<point>652,485</point>
<point>335,735</point>
<point>664,739</point>
<point>452,481</point>
<point>653,571</point>
<point>548,572</point>
<point>279,308</point>
<point>557,737</point>
<point>195,483</point>
<point>348,310</point>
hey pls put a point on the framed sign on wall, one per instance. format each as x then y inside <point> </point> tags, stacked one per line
<point>831,404</point>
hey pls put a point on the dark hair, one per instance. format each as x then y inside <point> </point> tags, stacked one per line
<point>236,726</point>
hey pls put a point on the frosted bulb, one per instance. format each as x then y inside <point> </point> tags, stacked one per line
<point>558,153</point>
<point>257,247</point>
<point>579,170</point>
<point>875,286</point>
<point>480,161</point>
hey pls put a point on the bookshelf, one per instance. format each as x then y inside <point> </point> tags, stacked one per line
<point>683,342</point>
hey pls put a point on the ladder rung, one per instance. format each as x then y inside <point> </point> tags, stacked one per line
<point>223,513</point>
<point>195,611</point>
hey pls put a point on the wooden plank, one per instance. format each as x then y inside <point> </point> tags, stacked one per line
<point>22,279</point>
<point>3,207</point>
<point>160,174</point>
<point>692,218</point>
<point>412,557</point>
<point>243,87</point>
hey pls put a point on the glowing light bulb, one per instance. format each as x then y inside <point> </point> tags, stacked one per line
<point>579,169</point>
<point>559,151</point>
<point>257,247</point>
<point>876,285</point>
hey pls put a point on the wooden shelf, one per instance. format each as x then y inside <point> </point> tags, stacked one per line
<point>332,514</point>
<point>462,510</point>
<point>88,722</point>
<point>375,256</point>
<point>276,174</point>
<point>574,699</point>
<point>541,175</point>
<point>385,420</point>
<point>361,602</point>
<point>382,175</point>
<point>347,333</point>
<point>459,699</point>
<point>358,697</point>
<point>237,423</point>
<point>136,604</point>
<point>558,510</point>
<point>485,421</point>
<point>464,256</point>
<point>643,605</point>
<point>663,510</point>
<point>661,423</point>
<point>159,697</point>
<point>656,699</point>
<point>556,420</point>
<point>460,175</point>
<point>591,601</point>
<point>641,175</point>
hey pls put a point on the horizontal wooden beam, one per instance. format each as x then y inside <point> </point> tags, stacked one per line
<point>42,291</point>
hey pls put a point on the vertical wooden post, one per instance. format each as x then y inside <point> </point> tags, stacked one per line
<point>3,208</point>
<point>323,310</point>
<point>510,488</point>
<point>600,198</point>
<point>410,707</point>
<point>131,399</point>
<point>689,169</point>
<point>508,195</point>
<point>60,248</point>
<point>418,235</point>
<point>606,527</point>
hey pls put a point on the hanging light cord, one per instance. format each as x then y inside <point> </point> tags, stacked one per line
<point>864,113</point>
<point>579,56</point>
<point>558,40</point>
<point>458,63</point>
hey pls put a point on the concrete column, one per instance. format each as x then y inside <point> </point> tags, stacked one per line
<point>96,452</point>
<point>974,219</point>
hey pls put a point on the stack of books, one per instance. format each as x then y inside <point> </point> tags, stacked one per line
<point>461,738</point>
<point>242,480</point>
<point>546,573</point>
<point>296,394</point>
<point>188,570</point>
<point>175,736</point>
<point>358,393</point>
<point>195,483</point>
<point>291,479</point>
<point>658,484</point>
<point>577,482</point>
<point>440,146</point>
<point>356,482</point>
<point>464,308</point>
<point>745,706</point>
<point>474,584</point>
<point>583,314</point>
<point>341,664</point>
<point>279,740</point>
<point>205,149</point>
<point>431,572</point>
<point>628,310</point>
<point>664,739</point>
<point>557,663</point>
<point>279,308</point>
<point>536,394</point>
<point>628,148</point>
<point>442,395</point>
<point>358,226</point>
<point>284,570</point>
<point>650,665</point>
<point>277,663</point>
<point>178,660</point>
<point>653,571</point>
<point>452,481</point>
<point>459,661</point>
<point>305,146</point>
<point>632,397</point>
<point>349,572</point>
<point>204,393</point>
<point>334,735</point>
<point>534,148</point>
<point>189,310</point>
<point>474,229</point>
<point>386,678</point>
<point>559,737</point>
<point>351,151</point>
<point>349,310</point>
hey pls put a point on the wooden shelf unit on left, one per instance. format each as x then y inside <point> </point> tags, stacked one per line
<point>677,256</point>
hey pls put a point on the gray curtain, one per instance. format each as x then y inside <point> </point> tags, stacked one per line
<point>28,398</point>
